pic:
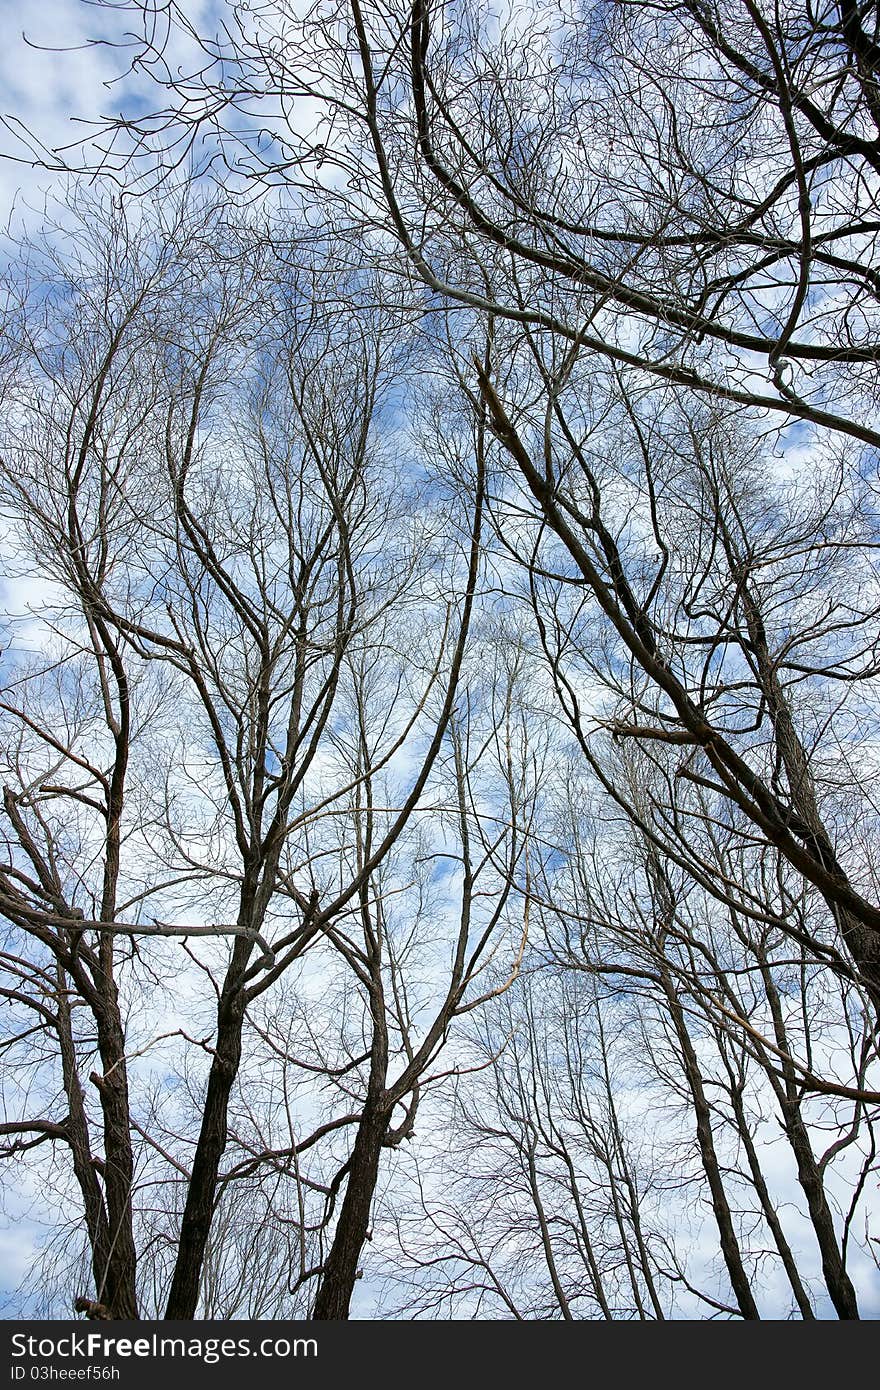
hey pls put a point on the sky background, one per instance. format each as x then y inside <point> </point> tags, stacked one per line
<point>62,63</point>
<point>49,72</point>
<point>52,71</point>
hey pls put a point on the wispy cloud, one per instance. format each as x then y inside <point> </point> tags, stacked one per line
<point>53,68</point>
<point>63,65</point>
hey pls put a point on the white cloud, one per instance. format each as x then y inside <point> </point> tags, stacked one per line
<point>63,64</point>
<point>49,73</point>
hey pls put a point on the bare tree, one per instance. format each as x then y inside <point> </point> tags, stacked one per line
<point>636,244</point>
<point>728,1011</point>
<point>194,473</point>
<point>682,193</point>
<point>649,184</point>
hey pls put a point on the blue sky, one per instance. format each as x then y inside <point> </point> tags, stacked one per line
<point>46,79</point>
<point>42,86</point>
<point>58,62</point>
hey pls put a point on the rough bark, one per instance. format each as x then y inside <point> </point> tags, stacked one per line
<point>837,1281</point>
<point>341,1266</point>
<point>183,1295</point>
<point>118,1290</point>
<point>78,1139</point>
<point>862,943</point>
<point>785,1254</point>
<point>730,1250</point>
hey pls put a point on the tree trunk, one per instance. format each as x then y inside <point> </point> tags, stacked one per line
<point>118,1289</point>
<point>341,1266</point>
<point>770,1214</point>
<point>837,1281</point>
<point>79,1139</point>
<point>862,943</point>
<point>729,1244</point>
<point>183,1296</point>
